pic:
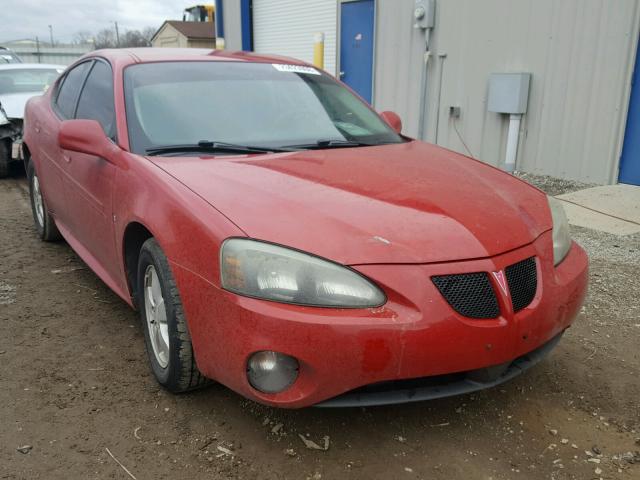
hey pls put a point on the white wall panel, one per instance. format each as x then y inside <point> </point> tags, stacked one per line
<point>287,27</point>
<point>232,25</point>
<point>54,55</point>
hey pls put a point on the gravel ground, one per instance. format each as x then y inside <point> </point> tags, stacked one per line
<point>614,264</point>
<point>599,245</point>
<point>76,389</point>
<point>551,185</point>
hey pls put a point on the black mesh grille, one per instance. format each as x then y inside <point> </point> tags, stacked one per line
<point>469,294</point>
<point>522,278</point>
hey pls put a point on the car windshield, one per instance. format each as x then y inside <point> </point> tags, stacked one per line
<point>25,80</point>
<point>251,104</point>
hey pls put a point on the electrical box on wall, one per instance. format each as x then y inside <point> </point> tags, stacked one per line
<point>508,92</point>
<point>424,13</point>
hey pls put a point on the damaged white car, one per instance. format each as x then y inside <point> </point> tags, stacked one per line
<point>18,83</point>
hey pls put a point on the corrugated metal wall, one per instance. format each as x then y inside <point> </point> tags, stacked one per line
<point>287,27</point>
<point>398,54</point>
<point>580,53</point>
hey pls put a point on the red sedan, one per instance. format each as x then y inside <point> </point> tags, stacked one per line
<point>280,237</point>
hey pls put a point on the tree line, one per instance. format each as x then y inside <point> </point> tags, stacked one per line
<point>111,38</point>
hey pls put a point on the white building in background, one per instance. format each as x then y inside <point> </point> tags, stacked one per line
<point>32,51</point>
<point>177,34</point>
<point>581,55</point>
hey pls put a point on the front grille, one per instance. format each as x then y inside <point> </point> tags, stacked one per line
<point>522,278</point>
<point>469,294</point>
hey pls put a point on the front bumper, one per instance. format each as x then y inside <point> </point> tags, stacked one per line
<point>416,334</point>
<point>440,386</point>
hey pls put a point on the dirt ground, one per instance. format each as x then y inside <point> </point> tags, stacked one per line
<point>74,386</point>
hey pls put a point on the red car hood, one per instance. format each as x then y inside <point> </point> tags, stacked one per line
<point>401,203</point>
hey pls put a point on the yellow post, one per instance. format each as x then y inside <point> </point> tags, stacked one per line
<point>318,50</point>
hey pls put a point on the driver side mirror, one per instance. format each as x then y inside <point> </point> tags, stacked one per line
<point>85,136</point>
<point>393,119</point>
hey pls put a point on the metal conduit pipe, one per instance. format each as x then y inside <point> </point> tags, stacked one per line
<point>424,15</point>
<point>423,87</point>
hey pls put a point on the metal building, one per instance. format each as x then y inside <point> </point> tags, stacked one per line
<point>580,54</point>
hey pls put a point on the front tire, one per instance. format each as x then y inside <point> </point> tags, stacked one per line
<point>45,225</point>
<point>166,334</point>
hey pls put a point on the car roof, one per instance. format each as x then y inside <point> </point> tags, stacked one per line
<point>150,54</point>
<point>30,66</point>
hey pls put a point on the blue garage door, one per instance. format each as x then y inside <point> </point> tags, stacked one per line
<point>630,160</point>
<point>356,46</point>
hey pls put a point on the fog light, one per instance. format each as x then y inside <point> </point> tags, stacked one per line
<point>271,372</point>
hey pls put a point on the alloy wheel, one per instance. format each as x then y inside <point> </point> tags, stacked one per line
<point>37,201</point>
<point>156,316</point>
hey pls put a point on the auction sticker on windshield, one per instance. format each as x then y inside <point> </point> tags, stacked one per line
<point>295,69</point>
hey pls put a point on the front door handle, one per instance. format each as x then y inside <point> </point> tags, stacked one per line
<point>37,127</point>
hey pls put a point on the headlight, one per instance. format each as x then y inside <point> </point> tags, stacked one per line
<point>267,271</point>
<point>561,236</point>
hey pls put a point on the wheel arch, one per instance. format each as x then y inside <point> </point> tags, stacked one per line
<point>135,234</point>
<point>26,155</point>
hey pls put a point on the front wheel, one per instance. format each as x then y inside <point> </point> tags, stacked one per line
<point>45,225</point>
<point>165,329</point>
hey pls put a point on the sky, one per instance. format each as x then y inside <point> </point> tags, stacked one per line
<point>20,19</point>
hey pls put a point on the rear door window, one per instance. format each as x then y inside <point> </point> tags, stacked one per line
<point>96,99</point>
<point>69,90</point>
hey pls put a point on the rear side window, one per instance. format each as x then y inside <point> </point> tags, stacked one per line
<point>96,99</point>
<point>68,93</point>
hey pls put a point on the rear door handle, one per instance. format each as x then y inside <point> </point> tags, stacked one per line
<point>37,127</point>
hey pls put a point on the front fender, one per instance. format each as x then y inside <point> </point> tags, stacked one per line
<point>188,229</point>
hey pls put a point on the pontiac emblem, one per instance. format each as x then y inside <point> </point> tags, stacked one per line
<point>502,281</point>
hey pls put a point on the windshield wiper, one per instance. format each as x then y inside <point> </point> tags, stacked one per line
<point>211,147</point>
<point>320,144</point>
